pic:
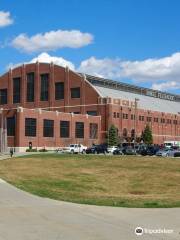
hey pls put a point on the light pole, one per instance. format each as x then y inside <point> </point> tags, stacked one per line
<point>135,119</point>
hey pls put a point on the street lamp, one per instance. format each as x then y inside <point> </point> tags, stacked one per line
<point>135,119</point>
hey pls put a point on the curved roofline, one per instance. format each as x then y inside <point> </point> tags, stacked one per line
<point>76,73</point>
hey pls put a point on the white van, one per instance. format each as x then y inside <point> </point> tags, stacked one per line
<point>170,144</point>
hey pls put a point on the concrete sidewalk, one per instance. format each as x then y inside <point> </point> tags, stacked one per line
<point>27,217</point>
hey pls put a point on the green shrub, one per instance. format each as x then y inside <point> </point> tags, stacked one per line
<point>43,150</point>
<point>31,150</point>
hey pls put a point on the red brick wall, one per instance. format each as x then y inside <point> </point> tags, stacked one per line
<point>89,101</point>
<point>56,141</point>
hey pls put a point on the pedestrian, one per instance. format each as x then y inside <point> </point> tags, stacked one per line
<point>11,152</point>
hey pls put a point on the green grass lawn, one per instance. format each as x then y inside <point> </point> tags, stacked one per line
<point>127,181</point>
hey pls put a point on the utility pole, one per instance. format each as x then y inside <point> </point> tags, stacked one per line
<point>135,120</point>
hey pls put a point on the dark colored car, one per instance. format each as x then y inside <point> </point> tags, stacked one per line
<point>96,149</point>
<point>149,150</point>
<point>129,151</point>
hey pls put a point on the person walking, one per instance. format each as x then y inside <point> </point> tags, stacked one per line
<point>11,152</point>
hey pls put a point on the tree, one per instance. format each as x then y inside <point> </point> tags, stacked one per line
<point>147,135</point>
<point>112,136</point>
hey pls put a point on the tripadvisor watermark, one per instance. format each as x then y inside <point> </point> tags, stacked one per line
<point>140,231</point>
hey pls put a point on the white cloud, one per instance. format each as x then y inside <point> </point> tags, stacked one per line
<point>167,68</point>
<point>46,58</point>
<point>146,71</point>
<point>52,40</point>
<point>162,74</point>
<point>166,86</point>
<point>5,19</point>
<point>108,68</point>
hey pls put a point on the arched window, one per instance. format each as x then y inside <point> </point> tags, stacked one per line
<point>133,133</point>
<point>124,132</point>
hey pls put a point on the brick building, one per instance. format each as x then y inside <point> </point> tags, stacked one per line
<point>48,105</point>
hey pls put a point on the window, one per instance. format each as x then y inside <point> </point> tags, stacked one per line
<point>141,118</point>
<point>148,119</point>
<point>175,122</point>
<point>132,117</point>
<point>162,120</point>
<point>118,115</point>
<point>169,121</point>
<point>16,90</point>
<point>59,90</point>
<point>64,129</point>
<point>11,126</point>
<point>79,130</point>
<point>30,87</point>
<point>125,116</point>
<point>114,115</point>
<point>3,96</point>
<point>133,133</point>
<point>93,130</point>
<point>30,127</point>
<point>75,92</point>
<point>156,120</point>
<point>48,129</point>
<point>44,87</point>
<point>92,113</point>
<point>125,133</point>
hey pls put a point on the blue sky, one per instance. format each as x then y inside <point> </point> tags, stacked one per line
<point>136,41</point>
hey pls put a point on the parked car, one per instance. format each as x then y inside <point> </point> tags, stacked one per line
<point>129,151</point>
<point>112,149</point>
<point>118,151</point>
<point>174,153</point>
<point>74,148</point>
<point>149,150</point>
<point>163,152</point>
<point>96,149</point>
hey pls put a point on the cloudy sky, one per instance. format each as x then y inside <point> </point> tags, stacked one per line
<point>134,41</point>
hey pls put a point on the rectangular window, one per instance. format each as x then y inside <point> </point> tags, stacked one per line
<point>114,115</point>
<point>141,118</point>
<point>175,122</point>
<point>30,127</point>
<point>11,126</point>
<point>59,90</point>
<point>64,129</point>
<point>156,120</point>
<point>169,121</point>
<point>148,119</point>
<point>16,90</point>
<point>92,113</point>
<point>162,120</point>
<point>132,117</point>
<point>3,96</point>
<point>75,92</point>
<point>93,130</point>
<point>48,128</point>
<point>44,87</point>
<point>30,87</point>
<point>79,130</point>
<point>125,116</point>
<point>118,115</point>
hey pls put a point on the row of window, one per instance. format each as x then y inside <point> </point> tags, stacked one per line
<point>148,119</point>
<point>30,93</point>
<point>48,128</point>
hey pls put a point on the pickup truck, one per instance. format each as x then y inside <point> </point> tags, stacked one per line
<point>74,148</point>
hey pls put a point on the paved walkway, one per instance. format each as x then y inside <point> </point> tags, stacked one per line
<point>27,217</point>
